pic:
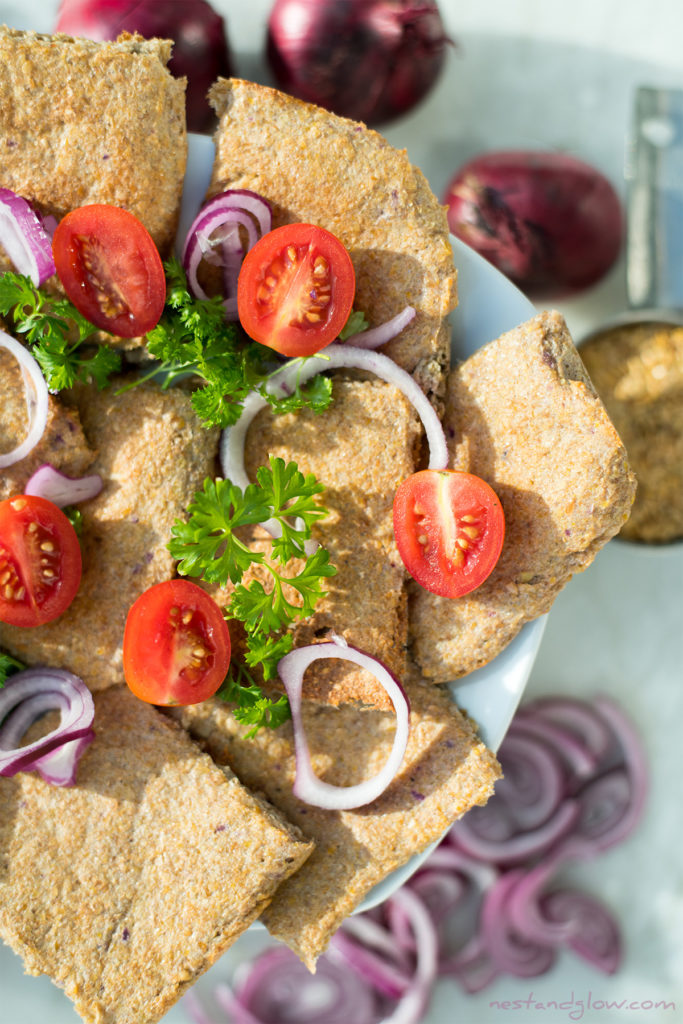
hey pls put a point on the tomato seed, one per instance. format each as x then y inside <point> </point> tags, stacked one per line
<point>471,531</point>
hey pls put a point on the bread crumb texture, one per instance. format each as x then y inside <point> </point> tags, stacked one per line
<point>446,770</point>
<point>315,167</point>
<point>127,886</point>
<point>523,414</point>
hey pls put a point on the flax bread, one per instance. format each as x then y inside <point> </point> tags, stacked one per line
<point>523,414</point>
<point>127,886</point>
<point>63,443</point>
<point>446,770</point>
<point>84,122</point>
<point>360,449</point>
<point>315,167</point>
<point>152,454</point>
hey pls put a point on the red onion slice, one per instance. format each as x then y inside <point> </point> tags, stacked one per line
<point>595,934</point>
<point>43,689</point>
<point>24,238</point>
<point>299,371</point>
<point>522,845</point>
<point>374,337</point>
<point>277,987</point>
<point>338,356</point>
<point>510,951</point>
<point>412,1006</point>
<point>61,490</point>
<point>37,398</point>
<point>307,786</point>
<point>231,210</point>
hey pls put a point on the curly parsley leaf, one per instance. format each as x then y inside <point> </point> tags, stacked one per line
<point>354,325</point>
<point>207,546</point>
<point>193,337</point>
<point>8,666</point>
<point>55,331</point>
<point>253,706</point>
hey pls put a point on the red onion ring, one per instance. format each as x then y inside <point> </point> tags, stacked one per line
<point>235,208</point>
<point>278,987</point>
<point>24,238</point>
<point>595,934</point>
<point>300,370</point>
<point>412,1006</point>
<point>37,399</point>
<point>29,694</point>
<point>374,337</point>
<point>307,786</point>
<point>61,490</point>
<point>522,845</point>
<point>511,952</point>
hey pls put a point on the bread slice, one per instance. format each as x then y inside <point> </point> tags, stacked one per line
<point>153,454</point>
<point>63,444</point>
<point>359,449</point>
<point>315,167</point>
<point>126,887</point>
<point>446,770</point>
<point>523,414</point>
<point>84,122</point>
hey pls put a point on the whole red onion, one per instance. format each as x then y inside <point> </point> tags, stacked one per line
<point>550,222</point>
<point>201,51</point>
<point>370,60</point>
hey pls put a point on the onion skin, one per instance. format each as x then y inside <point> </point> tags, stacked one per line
<point>369,60</point>
<point>548,221</point>
<point>201,50</point>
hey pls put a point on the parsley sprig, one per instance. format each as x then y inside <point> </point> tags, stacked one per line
<point>56,333</point>
<point>8,666</point>
<point>208,545</point>
<point>193,337</point>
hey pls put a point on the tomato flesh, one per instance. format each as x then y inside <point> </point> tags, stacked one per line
<point>40,561</point>
<point>449,529</point>
<point>110,269</point>
<point>176,645</point>
<point>295,289</point>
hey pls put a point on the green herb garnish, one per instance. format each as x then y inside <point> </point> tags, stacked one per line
<point>194,338</point>
<point>55,332</point>
<point>207,546</point>
<point>8,666</point>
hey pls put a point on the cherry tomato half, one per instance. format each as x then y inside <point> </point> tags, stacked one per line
<point>40,561</point>
<point>296,289</point>
<point>111,269</point>
<point>449,530</point>
<point>176,645</point>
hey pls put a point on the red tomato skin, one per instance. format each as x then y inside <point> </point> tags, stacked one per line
<point>265,323</point>
<point>125,291</point>
<point>45,598</point>
<point>443,497</point>
<point>148,651</point>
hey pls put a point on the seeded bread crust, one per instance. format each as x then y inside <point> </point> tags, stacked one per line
<point>315,167</point>
<point>522,413</point>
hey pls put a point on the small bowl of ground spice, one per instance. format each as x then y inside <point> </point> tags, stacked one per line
<point>637,369</point>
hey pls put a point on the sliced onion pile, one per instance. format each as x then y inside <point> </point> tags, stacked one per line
<point>26,697</point>
<point>61,490</point>
<point>37,399</point>
<point>307,786</point>
<point>475,917</point>
<point>215,236</point>
<point>24,238</point>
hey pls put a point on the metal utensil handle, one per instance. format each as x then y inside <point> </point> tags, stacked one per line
<point>654,173</point>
